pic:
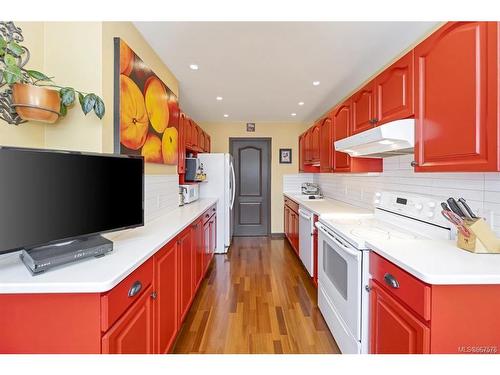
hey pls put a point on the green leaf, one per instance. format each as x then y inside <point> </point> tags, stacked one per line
<point>15,48</point>
<point>88,103</point>
<point>38,76</point>
<point>63,110</point>
<point>12,74</point>
<point>67,95</point>
<point>3,43</point>
<point>10,60</point>
<point>99,108</point>
<point>80,99</point>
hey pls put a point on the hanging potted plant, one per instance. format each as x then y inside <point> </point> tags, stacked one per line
<point>32,95</point>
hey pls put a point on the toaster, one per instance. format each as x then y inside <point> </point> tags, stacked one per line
<point>308,188</point>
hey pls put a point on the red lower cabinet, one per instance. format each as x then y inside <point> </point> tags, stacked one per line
<point>166,286</point>
<point>140,315</point>
<point>395,329</point>
<point>408,316</point>
<point>133,333</point>
<point>185,264</point>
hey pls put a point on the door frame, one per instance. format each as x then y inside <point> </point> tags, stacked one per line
<point>269,141</point>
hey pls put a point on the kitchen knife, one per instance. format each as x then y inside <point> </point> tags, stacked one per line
<point>466,206</point>
<point>454,207</point>
<point>464,210</point>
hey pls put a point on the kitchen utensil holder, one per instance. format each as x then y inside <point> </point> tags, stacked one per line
<point>482,239</point>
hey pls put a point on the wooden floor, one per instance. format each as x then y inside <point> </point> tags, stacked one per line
<point>256,299</point>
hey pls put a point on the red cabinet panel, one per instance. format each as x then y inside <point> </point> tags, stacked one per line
<point>394,91</point>
<point>197,252</point>
<point>181,164</point>
<point>201,140</point>
<point>195,135</point>
<point>208,143</point>
<point>326,145</point>
<point>166,288</point>
<point>341,124</point>
<point>302,156</point>
<point>363,109</point>
<point>315,143</point>
<point>185,262</point>
<point>133,332</point>
<point>115,302</point>
<point>393,328</point>
<point>456,104</point>
<point>308,147</point>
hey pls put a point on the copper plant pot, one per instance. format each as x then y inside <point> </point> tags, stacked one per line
<point>35,103</point>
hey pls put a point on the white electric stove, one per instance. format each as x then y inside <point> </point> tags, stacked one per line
<point>343,257</point>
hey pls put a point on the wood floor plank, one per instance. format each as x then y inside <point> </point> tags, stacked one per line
<point>258,298</point>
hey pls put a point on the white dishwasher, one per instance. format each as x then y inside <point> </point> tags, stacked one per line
<point>306,239</point>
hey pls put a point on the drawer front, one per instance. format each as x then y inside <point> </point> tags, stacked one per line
<point>400,284</point>
<point>294,206</point>
<point>207,215</point>
<point>115,302</point>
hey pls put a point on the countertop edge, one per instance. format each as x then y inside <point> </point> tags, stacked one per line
<point>52,287</point>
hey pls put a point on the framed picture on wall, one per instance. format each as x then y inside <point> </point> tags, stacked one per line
<point>146,111</point>
<point>285,156</point>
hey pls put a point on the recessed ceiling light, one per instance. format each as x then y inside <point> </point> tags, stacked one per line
<point>293,114</point>
<point>193,67</point>
<point>316,83</point>
<point>301,103</point>
<point>219,98</point>
<point>226,115</point>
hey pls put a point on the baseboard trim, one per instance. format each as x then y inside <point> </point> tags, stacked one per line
<point>277,236</point>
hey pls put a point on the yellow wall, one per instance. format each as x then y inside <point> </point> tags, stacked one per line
<point>134,39</point>
<point>80,55</point>
<point>27,134</point>
<point>283,135</point>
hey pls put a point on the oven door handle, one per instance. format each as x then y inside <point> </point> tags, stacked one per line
<point>306,215</point>
<point>346,248</point>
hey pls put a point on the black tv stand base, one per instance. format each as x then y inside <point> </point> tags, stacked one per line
<point>43,258</point>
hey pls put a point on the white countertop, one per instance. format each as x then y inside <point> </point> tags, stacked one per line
<point>325,206</point>
<point>440,262</point>
<point>132,247</point>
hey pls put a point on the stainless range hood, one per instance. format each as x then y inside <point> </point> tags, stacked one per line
<point>391,139</point>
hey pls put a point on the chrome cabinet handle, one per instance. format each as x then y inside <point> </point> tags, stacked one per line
<point>391,281</point>
<point>135,289</point>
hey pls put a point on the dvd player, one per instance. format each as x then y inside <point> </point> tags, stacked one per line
<point>40,259</point>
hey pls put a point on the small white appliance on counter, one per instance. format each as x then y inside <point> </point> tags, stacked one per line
<point>190,192</point>
<point>306,239</point>
<point>220,183</point>
<point>343,258</point>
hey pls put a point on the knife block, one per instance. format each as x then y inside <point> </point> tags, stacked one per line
<point>482,239</point>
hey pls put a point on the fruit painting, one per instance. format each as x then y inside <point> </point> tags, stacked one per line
<point>146,116</point>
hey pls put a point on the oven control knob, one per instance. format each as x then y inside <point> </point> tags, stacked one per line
<point>418,206</point>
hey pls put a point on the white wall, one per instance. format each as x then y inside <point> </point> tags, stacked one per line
<point>481,190</point>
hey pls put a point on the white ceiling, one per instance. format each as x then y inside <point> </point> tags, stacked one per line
<point>263,69</point>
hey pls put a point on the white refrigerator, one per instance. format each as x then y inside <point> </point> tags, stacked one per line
<point>220,184</point>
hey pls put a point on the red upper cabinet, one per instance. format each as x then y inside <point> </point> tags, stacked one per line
<point>363,109</point>
<point>315,143</point>
<point>208,143</point>
<point>326,145</point>
<point>195,136</point>
<point>394,91</point>
<point>201,140</point>
<point>341,124</point>
<point>456,99</point>
<point>301,153</point>
<point>307,147</point>
<point>394,329</point>
<point>181,160</point>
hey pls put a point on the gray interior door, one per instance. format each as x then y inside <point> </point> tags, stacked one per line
<point>252,167</point>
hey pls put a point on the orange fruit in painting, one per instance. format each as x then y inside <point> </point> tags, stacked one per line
<point>169,145</point>
<point>156,98</point>
<point>133,116</point>
<point>126,58</point>
<point>152,149</point>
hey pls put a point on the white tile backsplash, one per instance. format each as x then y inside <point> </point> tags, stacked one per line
<point>292,182</point>
<point>481,190</point>
<point>161,195</point>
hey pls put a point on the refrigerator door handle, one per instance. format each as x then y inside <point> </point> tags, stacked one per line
<point>233,177</point>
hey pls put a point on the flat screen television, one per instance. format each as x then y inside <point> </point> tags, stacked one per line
<point>51,196</point>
